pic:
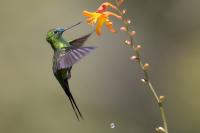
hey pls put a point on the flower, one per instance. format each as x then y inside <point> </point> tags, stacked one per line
<point>101,16</point>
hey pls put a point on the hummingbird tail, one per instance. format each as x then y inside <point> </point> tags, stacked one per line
<point>74,104</point>
<point>72,101</point>
<point>74,109</point>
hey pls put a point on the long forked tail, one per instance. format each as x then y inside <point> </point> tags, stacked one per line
<point>72,101</point>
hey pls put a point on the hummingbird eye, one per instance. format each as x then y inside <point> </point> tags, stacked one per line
<point>55,32</point>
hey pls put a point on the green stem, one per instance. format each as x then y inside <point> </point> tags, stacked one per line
<point>146,75</point>
<point>149,84</point>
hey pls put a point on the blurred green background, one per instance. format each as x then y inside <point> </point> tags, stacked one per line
<point>106,84</point>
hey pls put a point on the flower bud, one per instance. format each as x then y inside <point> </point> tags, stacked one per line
<point>133,33</point>
<point>161,98</point>
<point>138,47</point>
<point>124,11</point>
<point>129,21</point>
<point>144,81</point>
<point>160,130</point>
<point>146,66</point>
<point>134,58</point>
<point>128,42</point>
<point>123,28</point>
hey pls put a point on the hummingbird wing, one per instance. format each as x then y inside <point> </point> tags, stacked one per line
<point>70,57</point>
<point>80,41</point>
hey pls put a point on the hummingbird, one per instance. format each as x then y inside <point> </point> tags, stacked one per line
<point>66,54</point>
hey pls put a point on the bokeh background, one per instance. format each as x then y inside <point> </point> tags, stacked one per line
<point>106,84</point>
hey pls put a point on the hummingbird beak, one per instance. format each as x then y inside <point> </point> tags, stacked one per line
<point>72,26</point>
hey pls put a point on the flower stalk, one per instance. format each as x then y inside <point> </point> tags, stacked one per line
<point>144,68</point>
<point>100,17</point>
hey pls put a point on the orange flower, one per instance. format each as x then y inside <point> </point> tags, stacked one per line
<point>101,16</point>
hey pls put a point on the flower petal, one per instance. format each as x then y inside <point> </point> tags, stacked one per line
<point>87,13</point>
<point>107,13</point>
<point>92,16</point>
<point>109,24</point>
<point>100,22</point>
<point>91,20</point>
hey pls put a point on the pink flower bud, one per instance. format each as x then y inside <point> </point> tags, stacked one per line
<point>123,28</point>
<point>133,57</point>
<point>133,33</point>
<point>128,42</point>
<point>138,47</point>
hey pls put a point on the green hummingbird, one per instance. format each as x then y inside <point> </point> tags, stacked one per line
<point>66,54</point>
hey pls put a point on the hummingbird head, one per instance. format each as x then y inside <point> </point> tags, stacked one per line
<point>54,34</point>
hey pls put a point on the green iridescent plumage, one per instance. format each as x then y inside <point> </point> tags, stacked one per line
<point>54,37</point>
